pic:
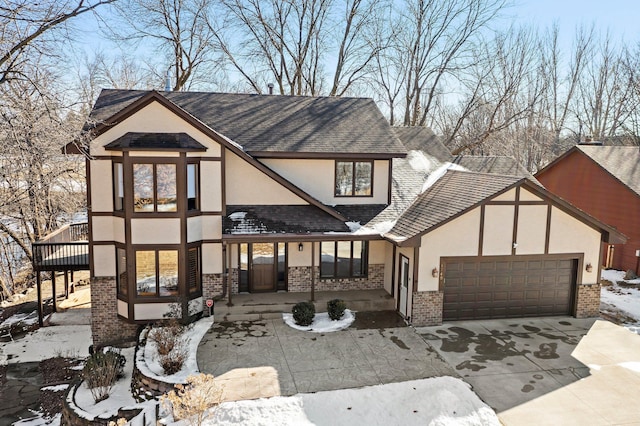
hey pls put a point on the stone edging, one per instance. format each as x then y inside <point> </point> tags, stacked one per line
<point>144,388</point>
<point>72,415</point>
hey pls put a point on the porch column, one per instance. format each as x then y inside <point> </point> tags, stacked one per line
<point>66,285</point>
<point>53,291</point>
<point>39,286</point>
<point>227,272</point>
<point>313,267</point>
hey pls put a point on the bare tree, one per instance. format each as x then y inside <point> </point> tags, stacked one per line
<point>27,28</point>
<point>180,31</point>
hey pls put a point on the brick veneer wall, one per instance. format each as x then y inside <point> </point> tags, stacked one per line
<point>588,304</point>
<point>299,280</point>
<point>426,308</point>
<point>211,285</point>
<point>106,327</point>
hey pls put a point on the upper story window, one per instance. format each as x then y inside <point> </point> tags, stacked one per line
<point>354,178</point>
<point>154,187</point>
<point>193,187</point>
<point>118,187</point>
<point>343,259</point>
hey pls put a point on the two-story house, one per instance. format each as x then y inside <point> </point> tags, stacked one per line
<point>194,196</point>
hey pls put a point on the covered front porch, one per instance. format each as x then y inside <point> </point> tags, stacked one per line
<point>251,307</point>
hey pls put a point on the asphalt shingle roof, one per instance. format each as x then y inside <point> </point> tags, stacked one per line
<point>423,139</point>
<point>277,124</point>
<point>623,162</point>
<point>452,194</point>
<point>271,219</point>
<point>155,141</point>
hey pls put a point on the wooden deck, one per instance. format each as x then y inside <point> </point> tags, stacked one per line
<point>66,249</point>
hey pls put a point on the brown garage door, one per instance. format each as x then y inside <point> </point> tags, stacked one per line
<point>508,287</point>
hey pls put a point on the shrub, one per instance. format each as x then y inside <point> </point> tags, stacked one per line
<point>194,400</point>
<point>303,313</point>
<point>172,362</point>
<point>335,309</point>
<point>101,371</point>
<point>167,336</point>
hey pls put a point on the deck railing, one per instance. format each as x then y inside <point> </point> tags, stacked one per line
<point>64,249</point>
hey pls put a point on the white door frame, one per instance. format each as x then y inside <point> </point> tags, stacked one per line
<point>403,284</point>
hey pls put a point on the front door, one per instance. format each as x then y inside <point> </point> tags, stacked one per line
<point>263,272</point>
<point>404,285</point>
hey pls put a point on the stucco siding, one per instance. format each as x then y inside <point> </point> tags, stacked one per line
<point>212,258</point>
<point>317,177</point>
<point>569,235</point>
<point>460,237</point>
<point>104,261</point>
<point>532,228</point>
<point>210,186</point>
<point>246,185</point>
<point>498,230</point>
<point>108,228</point>
<point>155,231</point>
<point>526,195</point>
<point>154,118</point>
<point>101,186</point>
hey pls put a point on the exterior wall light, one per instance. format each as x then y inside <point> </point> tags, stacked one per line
<point>434,272</point>
<point>300,246</point>
<point>589,267</point>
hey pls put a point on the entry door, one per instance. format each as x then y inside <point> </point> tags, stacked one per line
<point>404,284</point>
<point>263,273</point>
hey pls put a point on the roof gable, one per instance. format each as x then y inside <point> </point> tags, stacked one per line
<point>270,125</point>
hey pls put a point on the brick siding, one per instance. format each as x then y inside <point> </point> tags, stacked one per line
<point>588,304</point>
<point>106,327</point>
<point>299,280</point>
<point>426,308</point>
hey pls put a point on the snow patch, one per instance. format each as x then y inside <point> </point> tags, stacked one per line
<point>438,173</point>
<point>56,388</point>
<point>379,228</point>
<point>322,323</point>
<point>27,319</point>
<point>633,366</point>
<point>419,161</point>
<point>353,226</point>
<point>237,216</point>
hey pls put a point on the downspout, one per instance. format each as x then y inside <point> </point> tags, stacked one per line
<point>225,271</point>
<point>313,273</point>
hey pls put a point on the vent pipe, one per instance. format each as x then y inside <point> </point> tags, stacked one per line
<point>270,86</point>
<point>167,84</point>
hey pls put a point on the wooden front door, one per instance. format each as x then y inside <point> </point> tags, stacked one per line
<point>263,264</point>
<point>404,285</point>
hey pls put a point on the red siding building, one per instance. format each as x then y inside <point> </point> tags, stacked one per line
<point>604,181</point>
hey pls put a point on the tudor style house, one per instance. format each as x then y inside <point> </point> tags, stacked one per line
<point>196,196</point>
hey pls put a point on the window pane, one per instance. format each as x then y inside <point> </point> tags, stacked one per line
<point>168,272</point>
<point>118,187</point>
<point>363,178</point>
<point>166,180</point>
<point>192,187</point>
<point>146,273</point>
<point>344,259</point>
<point>327,259</point>
<point>193,269</point>
<point>344,178</point>
<point>121,264</point>
<point>357,258</point>
<point>143,187</point>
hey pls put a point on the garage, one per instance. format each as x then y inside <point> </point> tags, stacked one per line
<point>508,286</point>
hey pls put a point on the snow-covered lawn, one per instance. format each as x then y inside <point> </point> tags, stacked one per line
<point>621,302</point>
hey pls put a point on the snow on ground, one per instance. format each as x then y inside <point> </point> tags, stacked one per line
<point>48,342</point>
<point>616,299</point>
<point>322,323</point>
<point>25,318</point>
<point>450,402</point>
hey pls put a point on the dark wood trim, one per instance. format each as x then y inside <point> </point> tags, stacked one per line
<point>547,235</point>
<point>209,159</point>
<point>522,203</point>
<point>414,287</point>
<point>313,272</point>
<point>353,178</point>
<point>481,236</point>
<point>389,181</point>
<point>208,241</point>
<point>157,149</point>
<point>223,181</point>
<point>326,155</point>
<point>399,284</point>
<point>181,194</point>
<point>261,238</point>
<point>393,269</point>
<point>516,210</point>
<point>196,213</point>
<point>87,167</point>
<point>106,157</point>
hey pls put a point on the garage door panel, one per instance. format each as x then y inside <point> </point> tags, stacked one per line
<point>508,287</point>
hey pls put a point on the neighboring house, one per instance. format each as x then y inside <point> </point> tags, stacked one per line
<point>604,181</point>
<point>194,196</point>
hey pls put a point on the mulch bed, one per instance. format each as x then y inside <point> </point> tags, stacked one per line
<point>56,371</point>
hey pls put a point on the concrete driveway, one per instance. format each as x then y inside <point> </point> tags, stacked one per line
<point>266,358</point>
<point>547,371</point>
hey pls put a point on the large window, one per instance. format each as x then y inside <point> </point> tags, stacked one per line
<point>154,188</point>
<point>156,273</point>
<point>343,259</point>
<point>354,178</point>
